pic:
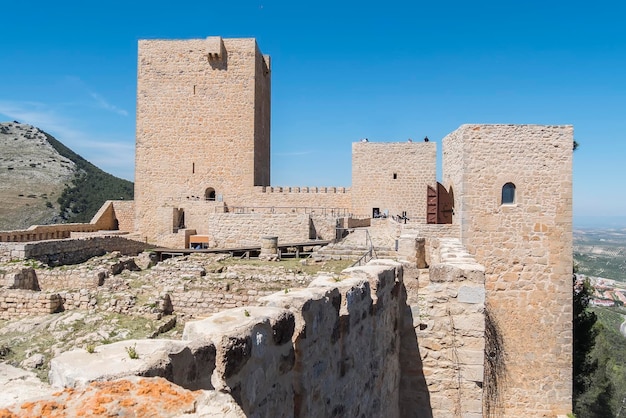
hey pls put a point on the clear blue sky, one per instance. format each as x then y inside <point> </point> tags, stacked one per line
<point>341,70</point>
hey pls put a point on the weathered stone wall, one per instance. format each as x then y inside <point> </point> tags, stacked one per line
<point>64,279</point>
<point>526,248</point>
<point>331,349</point>
<point>19,278</point>
<point>104,219</point>
<point>74,251</point>
<point>125,214</point>
<point>246,229</point>
<point>393,177</point>
<point>212,106</point>
<point>443,335</point>
<point>15,303</point>
<point>202,302</point>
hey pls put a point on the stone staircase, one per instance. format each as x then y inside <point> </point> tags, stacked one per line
<point>356,243</point>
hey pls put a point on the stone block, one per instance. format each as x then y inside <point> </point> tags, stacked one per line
<point>471,294</point>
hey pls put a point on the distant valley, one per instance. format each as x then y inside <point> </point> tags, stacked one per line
<point>601,252</point>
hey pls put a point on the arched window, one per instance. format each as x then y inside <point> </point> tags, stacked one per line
<point>209,194</point>
<point>508,193</point>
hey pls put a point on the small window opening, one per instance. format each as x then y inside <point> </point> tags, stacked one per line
<point>508,193</point>
<point>193,168</point>
<point>194,89</point>
<point>209,194</point>
<point>395,176</point>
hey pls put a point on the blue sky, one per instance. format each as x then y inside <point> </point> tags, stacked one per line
<point>341,71</point>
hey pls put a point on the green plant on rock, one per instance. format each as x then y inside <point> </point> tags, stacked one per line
<point>132,351</point>
<point>91,348</point>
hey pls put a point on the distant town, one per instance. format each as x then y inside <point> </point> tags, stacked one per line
<point>606,292</point>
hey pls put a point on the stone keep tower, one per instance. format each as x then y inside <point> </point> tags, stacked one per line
<point>512,186</point>
<point>203,124</point>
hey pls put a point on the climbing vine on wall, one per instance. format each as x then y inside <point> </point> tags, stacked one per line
<point>495,366</point>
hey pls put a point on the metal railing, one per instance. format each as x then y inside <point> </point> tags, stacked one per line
<point>369,255</point>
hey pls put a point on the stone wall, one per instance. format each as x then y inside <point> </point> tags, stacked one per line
<point>331,349</point>
<point>72,251</point>
<point>107,218</point>
<point>246,229</point>
<point>125,214</point>
<point>202,302</point>
<point>442,354</point>
<point>15,303</point>
<point>393,177</point>
<point>19,278</point>
<point>526,248</point>
<point>314,199</point>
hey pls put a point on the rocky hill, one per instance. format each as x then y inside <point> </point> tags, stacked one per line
<point>42,181</point>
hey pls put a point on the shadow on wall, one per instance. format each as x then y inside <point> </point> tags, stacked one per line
<point>414,395</point>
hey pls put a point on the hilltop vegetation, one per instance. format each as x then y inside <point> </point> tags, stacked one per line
<point>42,181</point>
<point>89,188</point>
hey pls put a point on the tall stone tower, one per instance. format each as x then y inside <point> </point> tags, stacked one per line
<point>203,125</point>
<point>512,187</point>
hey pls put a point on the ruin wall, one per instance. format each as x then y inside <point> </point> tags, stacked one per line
<point>18,303</point>
<point>69,251</point>
<point>202,302</point>
<point>279,359</point>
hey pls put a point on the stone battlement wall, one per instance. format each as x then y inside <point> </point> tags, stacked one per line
<point>314,198</point>
<point>44,232</point>
<point>281,189</point>
<point>105,219</point>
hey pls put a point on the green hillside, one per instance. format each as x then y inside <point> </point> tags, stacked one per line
<point>90,187</point>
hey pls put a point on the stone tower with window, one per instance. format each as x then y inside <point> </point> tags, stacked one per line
<point>203,126</point>
<point>512,186</point>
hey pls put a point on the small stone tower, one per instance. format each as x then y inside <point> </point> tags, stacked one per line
<point>203,125</point>
<point>512,188</point>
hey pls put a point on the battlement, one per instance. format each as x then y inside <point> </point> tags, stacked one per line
<point>280,189</point>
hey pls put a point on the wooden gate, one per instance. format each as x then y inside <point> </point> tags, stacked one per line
<point>439,206</point>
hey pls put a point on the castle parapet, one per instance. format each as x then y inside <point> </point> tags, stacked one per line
<point>306,189</point>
